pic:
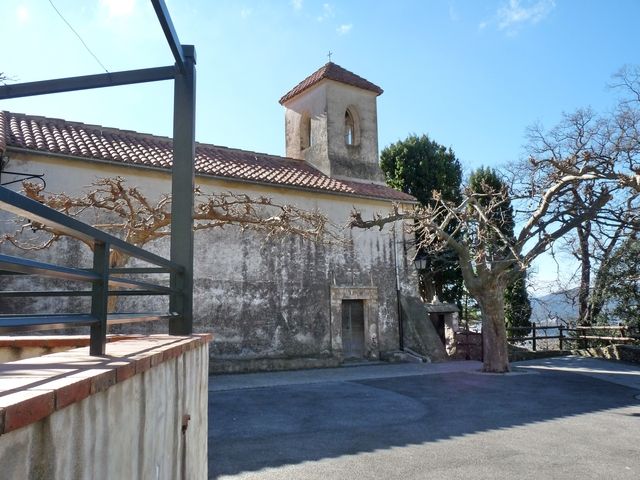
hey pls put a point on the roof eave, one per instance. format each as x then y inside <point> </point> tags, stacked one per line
<point>207,175</point>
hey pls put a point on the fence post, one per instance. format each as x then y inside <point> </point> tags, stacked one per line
<point>468,344</point>
<point>99,299</point>
<point>533,336</point>
<point>560,335</point>
<point>182,187</point>
<point>560,330</point>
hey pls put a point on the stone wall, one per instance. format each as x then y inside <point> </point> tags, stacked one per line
<point>261,298</point>
<point>625,353</point>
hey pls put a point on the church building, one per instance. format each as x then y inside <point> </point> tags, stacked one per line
<point>269,303</point>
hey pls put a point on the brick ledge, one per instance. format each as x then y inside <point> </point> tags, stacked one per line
<point>33,388</point>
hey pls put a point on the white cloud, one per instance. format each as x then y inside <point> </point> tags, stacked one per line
<point>296,4</point>
<point>245,12</point>
<point>118,8</point>
<point>22,14</point>
<point>344,29</point>
<point>327,12</point>
<point>515,14</point>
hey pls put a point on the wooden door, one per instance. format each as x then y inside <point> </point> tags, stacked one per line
<point>353,328</point>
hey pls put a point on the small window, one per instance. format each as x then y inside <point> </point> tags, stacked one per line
<point>305,132</point>
<point>351,127</point>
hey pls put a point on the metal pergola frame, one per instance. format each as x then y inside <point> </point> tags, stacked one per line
<point>182,179</point>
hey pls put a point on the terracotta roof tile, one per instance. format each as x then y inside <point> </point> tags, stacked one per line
<point>49,135</point>
<point>331,71</point>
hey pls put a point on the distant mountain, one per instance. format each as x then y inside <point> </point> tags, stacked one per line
<point>558,305</point>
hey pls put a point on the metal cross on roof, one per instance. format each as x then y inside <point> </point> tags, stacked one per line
<point>329,55</point>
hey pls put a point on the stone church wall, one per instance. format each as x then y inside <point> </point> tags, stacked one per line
<point>266,301</point>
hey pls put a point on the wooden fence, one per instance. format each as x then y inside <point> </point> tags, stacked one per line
<point>576,336</point>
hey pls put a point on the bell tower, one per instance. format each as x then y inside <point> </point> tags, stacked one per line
<point>331,122</point>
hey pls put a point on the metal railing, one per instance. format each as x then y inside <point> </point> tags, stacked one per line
<point>101,277</point>
<point>581,336</point>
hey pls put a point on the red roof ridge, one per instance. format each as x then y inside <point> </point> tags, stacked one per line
<point>132,133</point>
<point>251,152</point>
<point>73,123</point>
<point>84,141</point>
<point>3,133</point>
<point>331,71</point>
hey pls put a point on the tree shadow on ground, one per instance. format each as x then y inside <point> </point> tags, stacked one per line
<point>286,425</point>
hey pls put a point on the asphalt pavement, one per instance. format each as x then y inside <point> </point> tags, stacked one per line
<point>558,418</point>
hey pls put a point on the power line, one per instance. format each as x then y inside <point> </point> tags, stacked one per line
<point>79,37</point>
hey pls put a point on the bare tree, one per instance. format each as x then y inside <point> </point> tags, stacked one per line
<point>489,259</point>
<point>607,147</point>
<point>128,213</point>
<point>4,78</point>
<point>583,178</point>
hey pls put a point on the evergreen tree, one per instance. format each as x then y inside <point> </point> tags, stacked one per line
<point>420,166</point>
<point>517,308</point>
<point>492,190</point>
<point>622,291</point>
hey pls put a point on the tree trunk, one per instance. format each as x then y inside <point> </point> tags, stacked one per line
<point>494,332</point>
<point>427,286</point>
<point>584,232</point>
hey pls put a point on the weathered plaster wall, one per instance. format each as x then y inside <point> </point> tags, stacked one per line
<point>133,429</point>
<point>361,159</point>
<point>326,104</point>
<point>313,104</point>
<point>262,298</point>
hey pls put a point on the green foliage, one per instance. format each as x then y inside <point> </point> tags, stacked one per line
<point>623,285</point>
<point>419,166</point>
<point>493,196</point>
<point>517,308</point>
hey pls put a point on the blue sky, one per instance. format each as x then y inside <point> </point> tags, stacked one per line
<point>472,74</point>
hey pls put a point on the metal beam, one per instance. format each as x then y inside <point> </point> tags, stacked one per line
<point>100,299</point>
<point>22,206</point>
<point>87,82</point>
<point>118,318</point>
<point>182,186</point>
<point>74,293</point>
<point>32,267</point>
<point>137,284</point>
<point>30,323</point>
<point>172,37</point>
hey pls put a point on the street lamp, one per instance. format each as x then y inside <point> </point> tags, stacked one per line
<point>420,261</point>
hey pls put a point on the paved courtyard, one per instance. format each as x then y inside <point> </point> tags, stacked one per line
<point>561,418</point>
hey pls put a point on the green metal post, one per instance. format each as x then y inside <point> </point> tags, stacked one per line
<point>99,299</point>
<point>182,186</point>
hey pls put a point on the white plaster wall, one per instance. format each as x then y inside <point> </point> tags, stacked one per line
<point>360,160</point>
<point>313,102</point>
<point>326,104</point>
<point>259,298</point>
<point>130,431</point>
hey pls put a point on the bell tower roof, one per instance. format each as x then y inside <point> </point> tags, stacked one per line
<point>331,71</point>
